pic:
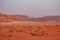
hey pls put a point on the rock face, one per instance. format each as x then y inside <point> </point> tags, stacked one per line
<point>22,17</point>
<point>5,18</point>
<point>41,19</point>
<point>47,19</point>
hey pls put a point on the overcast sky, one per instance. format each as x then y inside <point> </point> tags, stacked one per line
<point>32,8</point>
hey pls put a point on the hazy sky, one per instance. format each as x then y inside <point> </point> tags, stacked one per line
<point>33,8</point>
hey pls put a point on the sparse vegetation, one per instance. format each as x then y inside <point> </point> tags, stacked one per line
<point>35,31</point>
<point>12,30</point>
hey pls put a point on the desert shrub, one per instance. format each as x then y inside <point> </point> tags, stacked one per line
<point>7,35</point>
<point>0,28</point>
<point>57,25</point>
<point>35,30</point>
<point>38,33</point>
<point>12,28</point>
<point>19,30</point>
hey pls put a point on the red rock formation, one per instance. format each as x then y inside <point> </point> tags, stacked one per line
<point>6,18</point>
<point>22,17</point>
<point>47,19</point>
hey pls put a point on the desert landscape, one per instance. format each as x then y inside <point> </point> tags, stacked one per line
<point>29,19</point>
<point>16,28</point>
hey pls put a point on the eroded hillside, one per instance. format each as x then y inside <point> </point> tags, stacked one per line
<point>6,18</point>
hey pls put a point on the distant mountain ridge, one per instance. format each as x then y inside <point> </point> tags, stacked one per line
<point>4,17</point>
<point>47,19</point>
<point>22,17</point>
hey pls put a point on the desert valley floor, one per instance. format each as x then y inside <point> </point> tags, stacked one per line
<point>29,31</point>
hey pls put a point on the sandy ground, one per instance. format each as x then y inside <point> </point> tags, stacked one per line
<point>29,31</point>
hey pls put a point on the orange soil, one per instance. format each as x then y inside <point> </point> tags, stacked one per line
<point>29,31</point>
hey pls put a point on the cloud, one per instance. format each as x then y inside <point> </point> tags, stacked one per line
<point>34,8</point>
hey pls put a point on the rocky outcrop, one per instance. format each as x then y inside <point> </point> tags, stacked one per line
<point>6,18</point>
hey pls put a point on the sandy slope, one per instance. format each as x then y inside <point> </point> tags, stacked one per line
<point>29,31</point>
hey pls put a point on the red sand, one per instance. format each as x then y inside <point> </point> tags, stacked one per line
<point>29,31</point>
